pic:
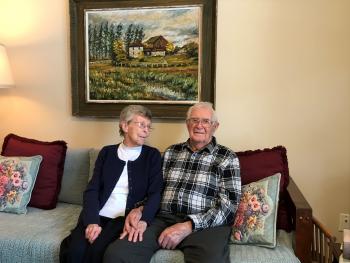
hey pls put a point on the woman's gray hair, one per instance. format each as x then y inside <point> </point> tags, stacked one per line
<point>128,113</point>
<point>201,105</point>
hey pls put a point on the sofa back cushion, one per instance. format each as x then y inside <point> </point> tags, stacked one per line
<point>255,165</point>
<point>93,157</point>
<point>75,176</point>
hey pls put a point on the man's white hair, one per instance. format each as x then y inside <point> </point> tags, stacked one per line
<point>201,105</point>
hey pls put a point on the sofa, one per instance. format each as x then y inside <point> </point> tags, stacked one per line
<point>36,235</point>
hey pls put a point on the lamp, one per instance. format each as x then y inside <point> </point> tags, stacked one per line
<point>6,79</point>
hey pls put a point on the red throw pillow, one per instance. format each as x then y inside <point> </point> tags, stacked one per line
<point>259,164</point>
<point>48,182</point>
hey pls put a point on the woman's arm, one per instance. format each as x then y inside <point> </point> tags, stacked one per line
<point>155,186</point>
<point>91,204</point>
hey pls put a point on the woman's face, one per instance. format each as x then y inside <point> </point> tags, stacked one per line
<point>136,131</point>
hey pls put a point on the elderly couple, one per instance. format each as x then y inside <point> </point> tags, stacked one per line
<point>135,204</point>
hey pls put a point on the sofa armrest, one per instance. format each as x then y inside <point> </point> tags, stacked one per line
<point>301,213</point>
<point>324,247</point>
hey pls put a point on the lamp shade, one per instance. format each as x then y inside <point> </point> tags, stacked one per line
<point>6,79</point>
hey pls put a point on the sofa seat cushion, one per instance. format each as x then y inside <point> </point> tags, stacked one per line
<point>282,253</point>
<point>36,236</point>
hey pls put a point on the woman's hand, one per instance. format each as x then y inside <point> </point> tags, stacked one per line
<point>133,227</point>
<point>135,233</point>
<point>132,220</point>
<point>92,231</point>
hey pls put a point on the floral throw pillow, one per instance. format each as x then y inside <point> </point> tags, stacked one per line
<point>17,179</point>
<point>256,216</point>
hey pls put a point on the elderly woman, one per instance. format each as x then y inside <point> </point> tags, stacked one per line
<point>125,175</point>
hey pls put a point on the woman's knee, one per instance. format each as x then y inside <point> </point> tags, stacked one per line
<point>75,252</point>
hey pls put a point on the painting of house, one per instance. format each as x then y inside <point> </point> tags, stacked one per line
<point>132,58</point>
<point>156,46</point>
<point>136,49</point>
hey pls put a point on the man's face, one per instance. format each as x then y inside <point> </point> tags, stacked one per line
<point>200,127</point>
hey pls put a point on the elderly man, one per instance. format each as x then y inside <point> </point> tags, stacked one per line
<point>202,188</point>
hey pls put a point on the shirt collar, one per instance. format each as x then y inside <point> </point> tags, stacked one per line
<point>208,148</point>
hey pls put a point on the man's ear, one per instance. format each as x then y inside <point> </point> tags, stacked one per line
<point>216,126</point>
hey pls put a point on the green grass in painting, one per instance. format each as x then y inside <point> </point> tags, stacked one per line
<point>108,82</point>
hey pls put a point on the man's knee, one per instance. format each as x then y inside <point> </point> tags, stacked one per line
<point>207,254</point>
<point>198,246</point>
<point>119,251</point>
<point>124,251</point>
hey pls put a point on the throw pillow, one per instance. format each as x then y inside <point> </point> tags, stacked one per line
<point>48,183</point>
<point>258,164</point>
<point>17,179</point>
<point>255,221</point>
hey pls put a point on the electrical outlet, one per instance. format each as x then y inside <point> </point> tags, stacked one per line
<point>344,221</point>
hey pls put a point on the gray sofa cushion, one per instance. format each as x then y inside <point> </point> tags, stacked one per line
<point>282,253</point>
<point>75,176</point>
<point>93,156</point>
<point>36,236</point>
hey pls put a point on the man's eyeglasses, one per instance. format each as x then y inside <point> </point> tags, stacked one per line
<point>196,121</point>
<point>142,125</point>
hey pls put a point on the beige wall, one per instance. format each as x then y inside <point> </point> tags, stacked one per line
<point>283,78</point>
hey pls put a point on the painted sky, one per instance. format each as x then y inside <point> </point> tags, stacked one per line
<point>179,25</point>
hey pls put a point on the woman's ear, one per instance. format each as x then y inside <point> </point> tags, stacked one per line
<point>124,125</point>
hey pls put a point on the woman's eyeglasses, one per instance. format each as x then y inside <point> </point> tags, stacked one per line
<point>143,125</point>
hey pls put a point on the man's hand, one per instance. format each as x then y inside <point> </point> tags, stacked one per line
<point>173,235</point>
<point>92,231</point>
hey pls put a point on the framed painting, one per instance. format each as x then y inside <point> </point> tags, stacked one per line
<point>157,53</point>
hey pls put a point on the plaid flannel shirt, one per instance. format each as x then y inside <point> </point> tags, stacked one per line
<point>204,186</point>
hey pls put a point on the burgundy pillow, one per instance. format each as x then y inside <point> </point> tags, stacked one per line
<point>48,182</point>
<point>258,164</point>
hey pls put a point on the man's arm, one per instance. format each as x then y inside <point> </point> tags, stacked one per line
<point>227,200</point>
<point>222,213</point>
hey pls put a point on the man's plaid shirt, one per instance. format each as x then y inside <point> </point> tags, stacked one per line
<point>204,186</point>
